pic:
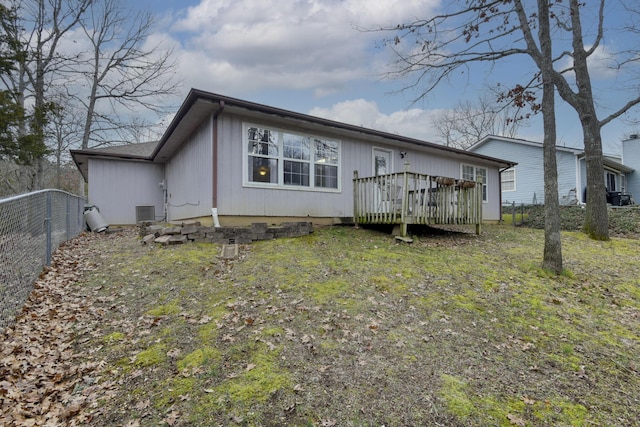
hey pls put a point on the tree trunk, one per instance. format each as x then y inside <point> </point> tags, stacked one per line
<point>552,258</point>
<point>596,222</point>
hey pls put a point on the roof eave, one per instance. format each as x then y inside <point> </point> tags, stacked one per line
<point>215,103</point>
<point>81,159</point>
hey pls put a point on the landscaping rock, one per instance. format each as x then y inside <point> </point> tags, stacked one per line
<point>163,240</point>
<point>171,230</point>
<point>148,239</point>
<point>177,239</point>
<point>192,231</point>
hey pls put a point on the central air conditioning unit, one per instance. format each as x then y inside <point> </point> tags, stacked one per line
<point>145,213</point>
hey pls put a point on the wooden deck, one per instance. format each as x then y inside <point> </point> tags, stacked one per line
<point>411,198</point>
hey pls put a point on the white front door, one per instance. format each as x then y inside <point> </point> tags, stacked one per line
<point>381,166</point>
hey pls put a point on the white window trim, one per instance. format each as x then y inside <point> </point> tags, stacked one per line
<point>475,177</point>
<point>280,184</point>
<point>514,180</point>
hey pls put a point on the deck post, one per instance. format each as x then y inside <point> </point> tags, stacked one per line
<point>405,200</point>
<point>355,198</point>
<point>479,205</point>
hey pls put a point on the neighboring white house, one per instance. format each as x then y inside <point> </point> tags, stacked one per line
<point>251,161</point>
<point>524,182</point>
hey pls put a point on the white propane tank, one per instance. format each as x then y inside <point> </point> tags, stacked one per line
<point>94,220</point>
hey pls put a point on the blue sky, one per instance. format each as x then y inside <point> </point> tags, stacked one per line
<point>309,56</point>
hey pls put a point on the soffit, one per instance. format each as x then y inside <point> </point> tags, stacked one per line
<point>182,126</point>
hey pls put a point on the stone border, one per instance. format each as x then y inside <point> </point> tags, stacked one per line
<point>193,231</point>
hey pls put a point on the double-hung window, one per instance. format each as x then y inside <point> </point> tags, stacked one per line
<point>287,159</point>
<point>474,173</point>
<point>264,155</point>
<point>296,153</point>
<point>508,180</point>
<point>326,163</point>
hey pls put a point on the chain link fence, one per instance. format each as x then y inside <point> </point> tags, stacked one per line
<point>32,226</point>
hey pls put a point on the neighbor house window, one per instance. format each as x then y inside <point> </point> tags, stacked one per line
<point>291,159</point>
<point>508,180</point>
<point>474,173</point>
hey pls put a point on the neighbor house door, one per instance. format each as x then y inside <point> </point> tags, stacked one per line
<point>611,181</point>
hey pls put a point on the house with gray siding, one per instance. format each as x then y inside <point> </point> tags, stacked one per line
<point>524,182</point>
<point>631,157</point>
<point>252,162</point>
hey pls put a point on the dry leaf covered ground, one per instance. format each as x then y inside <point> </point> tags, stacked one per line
<point>344,327</point>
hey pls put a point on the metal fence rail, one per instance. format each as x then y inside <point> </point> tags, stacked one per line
<point>32,226</point>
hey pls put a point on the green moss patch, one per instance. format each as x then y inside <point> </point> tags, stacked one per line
<point>348,327</point>
<point>454,393</point>
<point>257,384</point>
<point>153,355</point>
<point>165,309</point>
<point>206,356</point>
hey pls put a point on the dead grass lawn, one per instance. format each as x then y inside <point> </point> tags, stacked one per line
<point>348,328</point>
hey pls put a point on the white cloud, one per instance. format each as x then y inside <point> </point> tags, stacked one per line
<point>602,64</point>
<point>413,123</point>
<point>243,45</point>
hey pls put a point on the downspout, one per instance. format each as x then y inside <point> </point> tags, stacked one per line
<point>214,166</point>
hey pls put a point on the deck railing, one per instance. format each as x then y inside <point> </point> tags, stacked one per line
<point>412,198</point>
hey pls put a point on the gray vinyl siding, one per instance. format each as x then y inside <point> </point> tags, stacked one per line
<point>189,176</point>
<point>529,172</point>
<point>117,187</point>
<point>583,180</point>
<point>491,210</point>
<point>234,198</point>
<point>567,177</point>
<point>631,157</point>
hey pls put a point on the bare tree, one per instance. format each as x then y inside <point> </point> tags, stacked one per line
<point>476,32</point>
<point>66,130</point>
<point>46,23</point>
<point>111,85</point>
<point>122,74</point>
<point>470,121</point>
<point>541,51</point>
<point>580,97</point>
